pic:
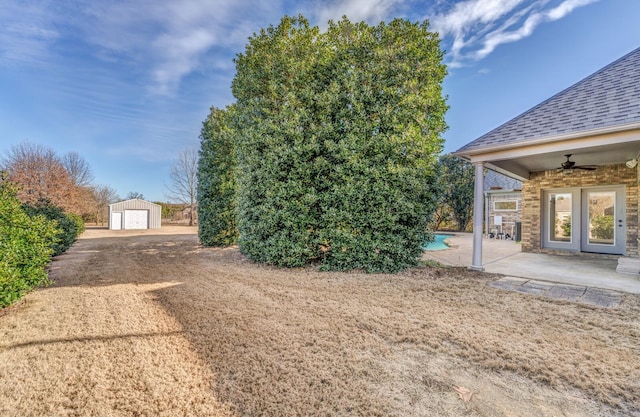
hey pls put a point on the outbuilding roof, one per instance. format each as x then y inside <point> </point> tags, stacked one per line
<point>134,202</point>
<point>608,98</point>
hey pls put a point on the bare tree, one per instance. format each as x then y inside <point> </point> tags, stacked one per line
<point>40,174</point>
<point>78,169</point>
<point>183,181</point>
<point>103,195</point>
<point>134,194</point>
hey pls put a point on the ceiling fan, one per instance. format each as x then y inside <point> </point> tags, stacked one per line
<point>569,165</point>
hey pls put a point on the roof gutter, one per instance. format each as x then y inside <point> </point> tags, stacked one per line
<point>549,139</point>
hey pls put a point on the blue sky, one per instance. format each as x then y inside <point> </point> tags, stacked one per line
<point>127,83</point>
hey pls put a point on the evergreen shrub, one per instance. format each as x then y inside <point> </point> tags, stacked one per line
<point>217,180</point>
<point>336,140</point>
<point>69,226</point>
<point>25,247</point>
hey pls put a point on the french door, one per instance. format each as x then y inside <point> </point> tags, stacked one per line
<point>603,220</point>
<point>585,219</point>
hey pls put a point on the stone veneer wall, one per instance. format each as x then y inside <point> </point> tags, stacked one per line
<point>532,195</point>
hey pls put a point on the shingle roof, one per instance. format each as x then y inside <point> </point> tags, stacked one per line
<point>494,180</point>
<point>608,98</point>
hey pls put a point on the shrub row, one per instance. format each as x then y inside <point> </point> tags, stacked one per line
<point>69,225</point>
<point>29,237</point>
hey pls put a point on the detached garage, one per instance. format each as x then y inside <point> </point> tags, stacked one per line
<point>134,214</point>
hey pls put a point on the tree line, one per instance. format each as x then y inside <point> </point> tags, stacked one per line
<point>65,181</point>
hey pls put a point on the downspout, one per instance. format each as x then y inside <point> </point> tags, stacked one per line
<point>478,215</point>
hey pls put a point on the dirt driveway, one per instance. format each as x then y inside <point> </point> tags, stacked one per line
<point>155,325</point>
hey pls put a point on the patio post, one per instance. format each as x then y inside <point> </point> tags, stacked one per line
<point>478,208</point>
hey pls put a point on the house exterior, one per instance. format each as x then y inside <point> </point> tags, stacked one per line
<point>134,214</point>
<point>586,203</point>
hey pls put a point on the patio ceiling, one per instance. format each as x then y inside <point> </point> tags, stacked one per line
<point>547,154</point>
<point>597,120</point>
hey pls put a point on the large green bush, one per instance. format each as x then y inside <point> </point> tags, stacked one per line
<point>25,247</point>
<point>217,180</point>
<point>279,154</point>
<point>69,226</point>
<point>337,138</point>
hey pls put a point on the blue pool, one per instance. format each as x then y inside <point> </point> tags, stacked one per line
<point>438,244</point>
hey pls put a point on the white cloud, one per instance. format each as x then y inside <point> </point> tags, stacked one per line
<point>181,55</point>
<point>478,27</point>
<point>25,34</point>
<point>567,7</point>
<point>372,11</point>
<point>171,38</point>
<point>164,39</point>
<point>471,12</point>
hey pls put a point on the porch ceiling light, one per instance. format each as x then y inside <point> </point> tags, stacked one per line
<point>631,163</point>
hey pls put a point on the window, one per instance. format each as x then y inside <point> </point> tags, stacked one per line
<point>505,205</point>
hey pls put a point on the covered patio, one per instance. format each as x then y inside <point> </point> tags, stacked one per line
<point>505,257</point>
<point>577,155</point>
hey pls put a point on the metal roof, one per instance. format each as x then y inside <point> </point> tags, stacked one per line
<point>608,98</point>
<point>134,203</point>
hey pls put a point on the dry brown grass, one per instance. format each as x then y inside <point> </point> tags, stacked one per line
<point>157,325</point>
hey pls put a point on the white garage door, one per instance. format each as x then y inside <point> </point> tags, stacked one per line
<point>116,221</point>
<point>136,219</point>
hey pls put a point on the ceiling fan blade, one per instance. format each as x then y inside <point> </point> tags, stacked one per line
<point>568,165</point>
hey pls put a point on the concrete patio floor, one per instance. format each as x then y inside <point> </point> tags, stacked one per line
<point>505,257</point>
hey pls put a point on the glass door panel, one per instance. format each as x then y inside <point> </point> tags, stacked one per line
<point>601,217</point>
<point>603,220</point>
<point>559,215</point>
